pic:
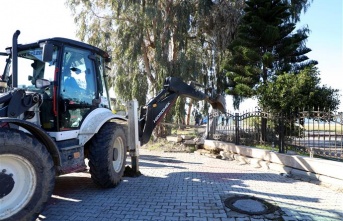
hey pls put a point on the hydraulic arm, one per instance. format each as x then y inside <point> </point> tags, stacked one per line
<point>16,102</point>
<point>153,112</point>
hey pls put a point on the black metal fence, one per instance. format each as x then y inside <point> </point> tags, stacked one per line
<point>314,132</point>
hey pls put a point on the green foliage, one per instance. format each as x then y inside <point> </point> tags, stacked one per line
<point>290,93</point>
<point>155,39</point>
<point>296,7</point>
<point>266,45</point>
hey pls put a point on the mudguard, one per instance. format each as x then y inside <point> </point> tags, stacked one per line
<point>38,133</point>
<point>94,121</point>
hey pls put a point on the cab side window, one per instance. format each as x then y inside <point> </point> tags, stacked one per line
<point>77,88</point>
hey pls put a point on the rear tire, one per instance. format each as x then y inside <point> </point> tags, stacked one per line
<point>107,155</point>
<point>27,176</point>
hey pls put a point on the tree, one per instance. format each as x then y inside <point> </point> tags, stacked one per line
<point>265,47</point>
<point>155,39</point>
<point>292,92</point>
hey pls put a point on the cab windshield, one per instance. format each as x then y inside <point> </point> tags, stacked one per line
<point>31,67</point>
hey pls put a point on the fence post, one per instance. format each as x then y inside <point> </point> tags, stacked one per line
<point>237,128</point>
<point>208,127</point>
<point>281,135</point>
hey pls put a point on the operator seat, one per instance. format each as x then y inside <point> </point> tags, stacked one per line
<point>71,83</point>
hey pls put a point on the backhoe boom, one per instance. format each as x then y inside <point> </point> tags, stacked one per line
<point>153,112</point>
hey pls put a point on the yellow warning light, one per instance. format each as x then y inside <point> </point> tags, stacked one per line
<point>154,105</point>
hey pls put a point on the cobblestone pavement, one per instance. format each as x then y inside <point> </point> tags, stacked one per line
<point>189,186</point>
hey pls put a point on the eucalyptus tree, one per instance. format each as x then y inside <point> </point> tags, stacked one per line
<point>151,39</point>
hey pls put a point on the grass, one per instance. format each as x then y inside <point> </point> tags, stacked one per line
<point>266,147</point>
<point>191,131</point>
<point>163,144</point>
<point>159,145</point>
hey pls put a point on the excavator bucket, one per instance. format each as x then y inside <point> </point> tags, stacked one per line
<point>218,103</point>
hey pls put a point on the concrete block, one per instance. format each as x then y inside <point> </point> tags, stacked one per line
<point>264,164</point>
<point>187,137</point>
<point>189,142</point>
<point>175,139</point>
<point>241,159</point>
<point>226,156</point>
<point>280,168</point>
<point>255,162</point>
<point>304,174</point>
<point>314,165</point>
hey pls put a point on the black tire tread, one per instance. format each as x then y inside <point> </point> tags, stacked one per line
<point>99,162</point>
<point>10,141</point>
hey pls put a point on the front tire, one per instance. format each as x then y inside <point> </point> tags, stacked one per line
<point>27,176</point>
<point>107,155</point>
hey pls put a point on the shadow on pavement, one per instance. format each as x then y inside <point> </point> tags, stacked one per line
<point>185,193</point>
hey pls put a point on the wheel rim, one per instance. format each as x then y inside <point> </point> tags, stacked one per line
<point>118,154</point>
<point>20,176</point>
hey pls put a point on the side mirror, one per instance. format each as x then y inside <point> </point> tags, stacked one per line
<point>42,83</point>
<point>48,50</point>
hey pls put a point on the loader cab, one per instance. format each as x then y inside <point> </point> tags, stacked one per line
<point>76,80</point>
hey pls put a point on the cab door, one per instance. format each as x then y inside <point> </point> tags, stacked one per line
<point>77,87</point>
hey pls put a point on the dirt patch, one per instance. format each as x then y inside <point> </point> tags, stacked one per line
<point>163,145</point>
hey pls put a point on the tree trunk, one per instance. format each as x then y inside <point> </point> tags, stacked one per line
<point>189,112</point>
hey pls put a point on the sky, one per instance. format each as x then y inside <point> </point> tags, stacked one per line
<point>39,19</point>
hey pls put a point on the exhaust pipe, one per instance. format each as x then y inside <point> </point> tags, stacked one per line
<point>15,59</point>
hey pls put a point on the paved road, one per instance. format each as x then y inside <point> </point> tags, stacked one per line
<point>184,186</point>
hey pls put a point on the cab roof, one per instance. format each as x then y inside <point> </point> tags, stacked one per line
<point>65,41</point>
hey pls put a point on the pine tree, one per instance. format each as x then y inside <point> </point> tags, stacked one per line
<point>266,45</point>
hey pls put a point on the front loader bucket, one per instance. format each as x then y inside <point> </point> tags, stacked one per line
<point>218,103</point>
